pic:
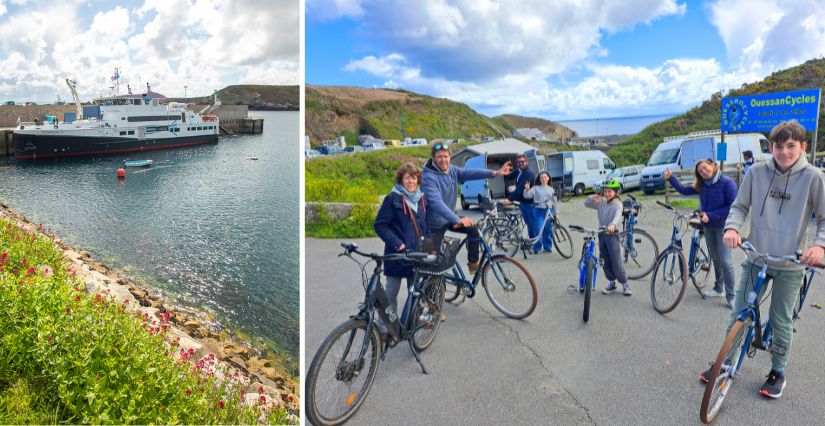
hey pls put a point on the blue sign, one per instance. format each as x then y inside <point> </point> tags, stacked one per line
<point>760,113</point>
<point>722,151</point>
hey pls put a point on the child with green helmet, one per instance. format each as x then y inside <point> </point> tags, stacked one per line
<point>609,212</point>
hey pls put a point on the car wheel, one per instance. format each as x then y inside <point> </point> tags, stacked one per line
<point>578,189</point>
<point>464,205</point>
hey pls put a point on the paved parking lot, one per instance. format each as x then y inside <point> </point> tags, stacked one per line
<point>628,365</point>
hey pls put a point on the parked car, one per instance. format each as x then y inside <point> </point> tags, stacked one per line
<point>629,176</point>
<point>682,153</point>
<point>330,150</point>
<point>579,170</point>
<point>311,153</point>
<point>353,149</point>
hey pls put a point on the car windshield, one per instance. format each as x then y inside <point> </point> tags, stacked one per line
<point>665,156</point>
<point>616,174</point>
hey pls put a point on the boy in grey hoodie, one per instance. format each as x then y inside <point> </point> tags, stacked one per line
<point>783,193</point>
<point>609,211</point>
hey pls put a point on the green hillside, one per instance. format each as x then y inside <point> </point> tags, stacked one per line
<point>258,97</point>
<point>350,111</point>
<point>637,149</point>
<point>549,128</point>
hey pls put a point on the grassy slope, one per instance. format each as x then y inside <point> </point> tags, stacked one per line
<point>637,149</point>
<point>258,97</point>
<point>549,128</point>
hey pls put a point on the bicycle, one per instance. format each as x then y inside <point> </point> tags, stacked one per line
<point>508,235</point>
<point>667,285</point>
<point>344,368</point>
<point>512,289</point>
<point>636,243</point>
<point>588,266</point>
<point>562,194</point>
<point>747,334</point>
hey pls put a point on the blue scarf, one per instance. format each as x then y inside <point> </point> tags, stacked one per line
<point>411,197</point>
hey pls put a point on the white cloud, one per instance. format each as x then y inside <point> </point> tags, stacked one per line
<point>766,35</point>
<point>203,44</point>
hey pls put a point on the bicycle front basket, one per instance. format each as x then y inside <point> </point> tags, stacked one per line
<point>446,257</point>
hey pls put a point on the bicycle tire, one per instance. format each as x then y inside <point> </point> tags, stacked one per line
<point>425,324</point>
<point>666,297</point>
<point>719,384</point>
<point>341,375</point>
<point>451,289</point>
<point>562,241</point>
<point>636,264</point>
<point>700,280</point>
<point>511,289</point>
<point>589,279</point>
<point>503,239</point>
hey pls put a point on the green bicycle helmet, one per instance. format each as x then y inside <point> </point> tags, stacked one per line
<point>613,184</point>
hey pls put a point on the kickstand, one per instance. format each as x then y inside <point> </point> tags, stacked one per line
<point>417,357</point>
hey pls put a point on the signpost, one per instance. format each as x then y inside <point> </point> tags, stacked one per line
<point>760,113</point>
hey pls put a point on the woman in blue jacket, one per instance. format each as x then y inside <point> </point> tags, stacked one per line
<point>402,225</point>
<point>716,194</point>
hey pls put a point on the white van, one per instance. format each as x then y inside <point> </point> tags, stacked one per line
<point>682,152</point>
<point>579,170</point>
<point>497,187</point>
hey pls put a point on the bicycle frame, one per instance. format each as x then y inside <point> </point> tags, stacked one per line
<point>588,252</point>
<point>695,245</point>
<point>457,276</point>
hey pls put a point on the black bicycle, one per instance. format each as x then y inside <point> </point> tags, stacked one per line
<point>344,367</point>
<point>506,234</point>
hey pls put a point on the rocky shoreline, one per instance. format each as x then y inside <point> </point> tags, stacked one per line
<point>190,329</point>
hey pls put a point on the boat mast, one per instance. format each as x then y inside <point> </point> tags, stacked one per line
<point>73,87</point>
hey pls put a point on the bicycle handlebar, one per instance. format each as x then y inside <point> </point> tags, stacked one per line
<point>417,257</point>
<point>579,228</point>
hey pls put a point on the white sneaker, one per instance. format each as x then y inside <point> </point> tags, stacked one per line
<point>712,293</point>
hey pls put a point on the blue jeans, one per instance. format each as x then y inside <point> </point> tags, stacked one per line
<point>529,219</point>
<point>722,264</point>
<point>546,239</point>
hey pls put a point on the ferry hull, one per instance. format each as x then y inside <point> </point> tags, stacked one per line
<point>30,146</point>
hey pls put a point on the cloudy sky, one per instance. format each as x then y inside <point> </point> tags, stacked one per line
<point>202,44</point>
<point>560,59</point>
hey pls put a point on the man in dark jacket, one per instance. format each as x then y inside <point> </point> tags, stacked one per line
<point>440,185</point>
<point>523,174</point>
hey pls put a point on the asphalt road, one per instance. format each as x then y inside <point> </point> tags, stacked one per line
<point>628,365</point>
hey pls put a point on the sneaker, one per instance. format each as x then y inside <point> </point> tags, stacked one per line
<point>472,267</point>
<point>626,289</point>
<point>730,303</point>
<point>611,287</point>
<point>774,386</point>
<point>706,374</point>
<point>712,293</point>
<point>443,316</point>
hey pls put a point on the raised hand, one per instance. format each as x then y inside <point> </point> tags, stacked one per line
<point>667,174</point>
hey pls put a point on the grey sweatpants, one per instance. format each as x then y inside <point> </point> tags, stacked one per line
<point>720,256</point>
<point>610,253</point>
<point>786,285</point>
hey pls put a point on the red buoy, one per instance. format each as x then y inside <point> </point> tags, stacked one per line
<point>121,173</point>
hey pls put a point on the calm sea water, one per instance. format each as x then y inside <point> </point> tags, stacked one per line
<point>613,126</point>
<point>206,225</point>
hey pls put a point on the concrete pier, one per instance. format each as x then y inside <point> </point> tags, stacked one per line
<point>6,142</point>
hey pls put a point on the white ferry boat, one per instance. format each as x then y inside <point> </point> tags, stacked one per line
<point>124,123</point>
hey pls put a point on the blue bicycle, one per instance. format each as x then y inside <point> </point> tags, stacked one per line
<point>747,334</point>
<point>588,266</point>
<point>639,249</point>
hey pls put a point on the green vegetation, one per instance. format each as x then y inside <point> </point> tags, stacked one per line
<point>685,203</point>
<point>70,357</point>
<point>637,149</point>
<point>357,225</point>
<point>257,96</point>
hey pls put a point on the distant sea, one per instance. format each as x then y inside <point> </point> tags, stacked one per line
<point>613,125</point>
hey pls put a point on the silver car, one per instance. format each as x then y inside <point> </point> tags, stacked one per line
<point>628,176</point>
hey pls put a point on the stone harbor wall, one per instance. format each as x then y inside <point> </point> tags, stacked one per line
<point>192,330</point>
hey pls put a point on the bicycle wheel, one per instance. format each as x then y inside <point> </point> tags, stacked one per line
<point>588,287</point>
<point>510,287</point>
<point>562,241</point>
<point>426,314</point>
<point>720,380</point>
<point>701,263</point>
<point>669,280</point>
<point>339,377</point>
<point>640,259</point>
<point>504,239</point>
<point>451,289</point>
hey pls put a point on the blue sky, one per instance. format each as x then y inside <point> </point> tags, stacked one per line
<point>204,45</point>
<point>565,59</point>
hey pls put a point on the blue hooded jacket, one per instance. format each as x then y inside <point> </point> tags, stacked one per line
<point>714,199</point>
<point>522,177</point>
<point>396,224</point>
<point>441,190</point>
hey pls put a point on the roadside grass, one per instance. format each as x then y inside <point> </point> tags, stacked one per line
<point>70,357</point>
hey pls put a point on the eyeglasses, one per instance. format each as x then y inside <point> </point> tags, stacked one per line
<point>521,162</point>
<point>441,146</point>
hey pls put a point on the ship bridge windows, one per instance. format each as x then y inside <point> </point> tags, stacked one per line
<point>152,118</point>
